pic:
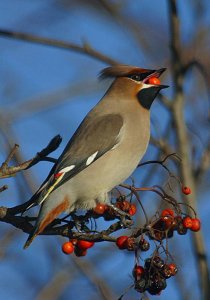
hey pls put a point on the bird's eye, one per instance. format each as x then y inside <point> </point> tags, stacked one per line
<point>137,77</point>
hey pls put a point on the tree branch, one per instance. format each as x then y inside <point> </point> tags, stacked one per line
<point>183,142</point>
<point>6,171</point>
<point>85,49</point>
<point>7,216</point>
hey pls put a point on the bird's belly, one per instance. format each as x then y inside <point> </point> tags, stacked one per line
<point>104,174</point>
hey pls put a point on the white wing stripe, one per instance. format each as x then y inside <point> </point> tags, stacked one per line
<point>67,169</point>
<point>91,158</point>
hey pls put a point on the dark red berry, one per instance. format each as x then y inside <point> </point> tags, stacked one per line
<point>173,269</point>
<point>166,272</point>
<point>158,262</point>
<point>141,285</point>
<point>147,263</point>
<point>181,229</point>
<point>131,244</point>
<point>121,242</point>
<point>144,245</point>
<point>138,271</point>
<point>80,252</point>
<point>168,221</point>
<point>156,285</point>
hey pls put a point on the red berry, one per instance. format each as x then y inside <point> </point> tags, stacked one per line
<point>173,269</point>
<point>121,242</point>
<point>123,205</point>
<point>153,80</point>
<point>167,212</point>
<point>132,210</point>
<point>68,248</point>
<point>196,224</point>
<point>100,209</point>
<point>186,190</point>
<point>84,244</point>
<point>187,222</point>
<point>138,271</point>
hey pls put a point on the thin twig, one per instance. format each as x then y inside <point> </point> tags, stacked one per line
<point>3,188</point>
<point>85,49</point>
<point>7,216</point>
<point>10,156</point>
<point>6,171</point>
<point>134,191</point>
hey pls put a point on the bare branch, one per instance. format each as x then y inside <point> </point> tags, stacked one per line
<point>162,145</point>
<point>85,49</point>
<point>3,188</point>
<point>7,216</point>
<point>183,142</point>
<point>6,171</point>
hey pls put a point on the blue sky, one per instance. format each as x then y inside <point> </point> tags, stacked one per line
<point>30,74</point>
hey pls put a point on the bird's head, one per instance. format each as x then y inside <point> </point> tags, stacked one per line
<point>134,81</point>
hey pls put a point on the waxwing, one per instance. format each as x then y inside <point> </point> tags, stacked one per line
<point>105,149</point>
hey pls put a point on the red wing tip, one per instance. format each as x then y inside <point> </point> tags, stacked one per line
<point>57,175</point>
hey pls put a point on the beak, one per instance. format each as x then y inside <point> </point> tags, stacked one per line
<point>156,73</point>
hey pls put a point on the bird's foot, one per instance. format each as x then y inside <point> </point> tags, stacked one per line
<point>79,222</point>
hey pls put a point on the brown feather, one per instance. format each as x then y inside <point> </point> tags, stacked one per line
<point>121,71</point>
<point>53,214</point>
<point>63,206</point>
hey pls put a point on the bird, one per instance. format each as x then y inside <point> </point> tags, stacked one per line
<point>104,150</point>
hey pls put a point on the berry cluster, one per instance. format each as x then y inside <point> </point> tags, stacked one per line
<point>110,214</point>
<point>79,247</point>
<point>160,229</point>
<point>165,226</point>
<point>152,277</point>
<point>131,243</point>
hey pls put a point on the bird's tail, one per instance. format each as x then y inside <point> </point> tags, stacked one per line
<point>46,216</point>
<point>30,239</point>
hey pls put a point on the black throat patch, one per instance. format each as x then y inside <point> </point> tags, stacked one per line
<point>147,96</point>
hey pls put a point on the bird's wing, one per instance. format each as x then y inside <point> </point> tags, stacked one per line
<point>92,139</point>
